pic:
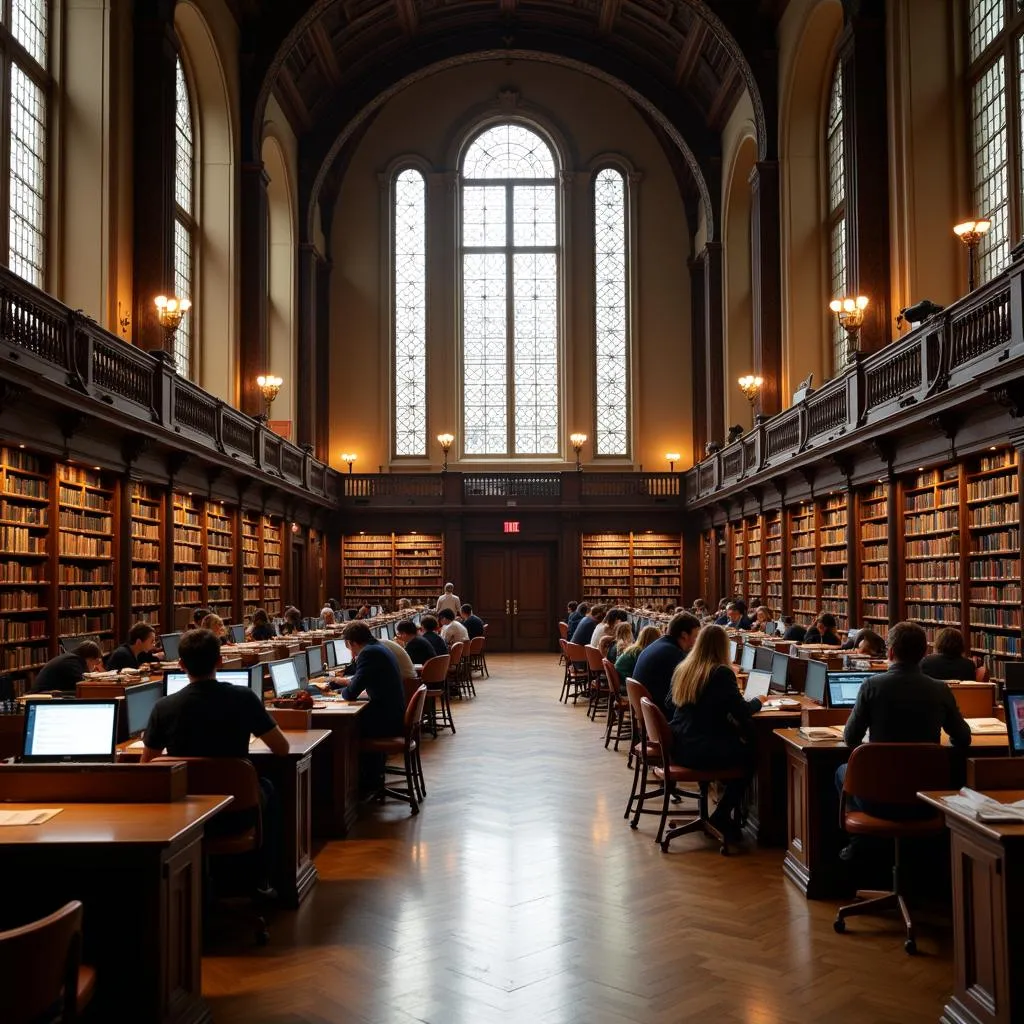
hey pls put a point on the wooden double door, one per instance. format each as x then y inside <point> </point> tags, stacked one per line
<point>510,586</point>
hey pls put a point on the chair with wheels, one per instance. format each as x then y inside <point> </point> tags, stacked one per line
<point>889,776</point>
<point>434,674</point>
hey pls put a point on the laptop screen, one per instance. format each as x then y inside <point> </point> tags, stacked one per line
<point>817,678</point>
<point>175,681</point>
<point>284,677</point>
<point>169,642</point>
<point>780,669</point>
<point>769,628</point>
<point>70,730</point>
<point>843,688</point>
<point>342,653</point>
<point>733,650</point>
<point>301,669</point>
<point>1015,723</point>
<point>237,632</point>
<point>764,658</point>
<point>747,657</point>
<point>315,661</point>
<point>234,676</point>
<point>331,654</point>
<point>139,702</point>
<point>758,684</point>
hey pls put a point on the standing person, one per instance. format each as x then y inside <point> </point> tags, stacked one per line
<point>709,719</point>
<point>948,661</point>
<point>63,673</point>
<point>473,623</point>
<point>452,630</point>
<point>137,650</point>
<point>431,635</point>
<point>576,618</point>
<point>657,662</point>
<point>419,650</point>
<point>449,599</point>
<point>607,625</point>
<point>585,630</point>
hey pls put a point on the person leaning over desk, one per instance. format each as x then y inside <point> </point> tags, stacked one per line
<point>63,673</point>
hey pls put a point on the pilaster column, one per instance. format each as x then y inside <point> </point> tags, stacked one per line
<point>254,352</point>
<point>713,342</point>
<point>766,281</point>
<point>321,424</point>
<point>307,404</point>
<point>697,349</point>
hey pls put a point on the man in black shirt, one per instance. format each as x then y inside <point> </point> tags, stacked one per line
<point>823,631</point>
<point>473,623</point>
<point>658,661</point>
<point>141,641</point>
<point>585,630</point>
<point>418,649</point>
<point>377,673</point>
<point>576,617</point>
<point>948,661</point>
<point>431,635</point>
<point>64,673</point>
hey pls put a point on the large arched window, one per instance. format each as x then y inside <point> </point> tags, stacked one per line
<point>24,51</point>
<point>835,171</point>
<point>510,295</point>
<point>184,217</point>
<point>611,313</point>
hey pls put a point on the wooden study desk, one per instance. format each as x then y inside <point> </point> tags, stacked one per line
<point>137,868</point>
<point>295,874</point>
<point>988,916</point>
<point>336,769</point>
<point>814,835</point>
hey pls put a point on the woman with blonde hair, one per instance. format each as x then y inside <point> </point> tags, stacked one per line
<point>709,720</point>
<point>215,624</point>
<point>623,640</point>
<point>762,616</point>
<point>626,661</point>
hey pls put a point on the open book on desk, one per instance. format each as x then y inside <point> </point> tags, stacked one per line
<point>985,808</point>
<point>821,732</point>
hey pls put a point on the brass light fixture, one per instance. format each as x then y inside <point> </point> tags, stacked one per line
<point>971,232</point>
<point>672,458</point>
<point>445,441</point>
<point>850,314</point>
<point>270,388</point>
<point>349,458</point>
<point>578,441</point>
<point>170,311</point>
<point>751,386</point>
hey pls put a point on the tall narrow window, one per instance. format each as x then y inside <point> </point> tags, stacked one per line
<point>409,304</point>
<point>24,46</point>
<point>510,294</point>
<point>611,310</point>
<point>184,217</point>
<point>835,155</point>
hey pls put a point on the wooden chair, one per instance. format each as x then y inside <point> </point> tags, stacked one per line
<point>293,719</point>
<point>408,745</point>
<point>981,674</point>
<point>455,668</point>
<point>40,968</point>
<point>563,634</point>
<point>645,753</point>
<point>577,673</point>
<point>478,657</point>
<point>597,683</point>
<point>891,774</point>
<point>434,675</point>
<point>672,775</point>
<point>605,644</point>
<point>618,707</point>
<point>410,686</point>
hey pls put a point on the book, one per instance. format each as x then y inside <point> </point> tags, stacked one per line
<point>821,732</point>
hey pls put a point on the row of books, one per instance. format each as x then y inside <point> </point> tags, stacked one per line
<point>85,598</point>
<point>19,572</point>
<point>26,486</point>
<point>18,629</point>
<point>85,521</point>
<point>21,540</point>
<point>75,625</point>
<point>85,547</point>
<point>31,515</point>
<point>993,487</point>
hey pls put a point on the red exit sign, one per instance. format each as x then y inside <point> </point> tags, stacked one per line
<point>511,525</point>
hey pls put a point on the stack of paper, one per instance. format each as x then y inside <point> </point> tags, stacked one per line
<point>986,726</point>
<point>985,808</point>
<point>821,732</point>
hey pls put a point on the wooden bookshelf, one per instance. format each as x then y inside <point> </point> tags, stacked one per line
<point>631,569</point>
<point>755,580</point>
<point>25,545</point>
<point>803,563</point>
<point>774,568</point>
<point>657,569</point>
<point>273,555</point>
<point>606,568</point>
<point>993,553</point>
<point>367,569</point>
<point>147,527</point>
<point>252,564</point>
<point>189,554</point>
<point>873,586</point>
<point>738,559</point>
<point>419,567</point>
<point>833,540</point>
<point>931,542</point>
<point>85,552</point>
<point>220,559</point>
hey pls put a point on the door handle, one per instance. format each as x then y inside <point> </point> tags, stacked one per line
<point>515,607</point>
<point>506,607</point>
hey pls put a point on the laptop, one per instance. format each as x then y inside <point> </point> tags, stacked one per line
<point>301,668</point>
<point>330,654</point>
<point>314,662</point>
<point>70,731</point>
<point>758,684</point>
<point>816,682</point>
<point>1014,708</point>
<point>234,676</point>
<point>70,644</point>
<point>139,702</point>
<point>284,678</point>
<point>764,658</point>
<point>779,671</point>
<point>391,629</point>
<point>342,655</point>
<point>237,632</point>
<point>843,688</point>
<point>174,681</point>
<point>169,642</point>
<point>747,657</point>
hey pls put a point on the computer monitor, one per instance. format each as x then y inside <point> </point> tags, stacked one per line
<point>314,662</point>
<point>758,684</point>
<point>307,624</point>
<point>70,730</point>
<point>69,644</point>
<point>342,655</point>
<point>843,688</point>
<point>301,668</point>
<point>390,627</point>
<point>169,643</point>
<point>770,628</point>
<point>330,654</point>
<point>733,651</point>
<point>234,676</point>
<point>237,631</point>
<point>1014,708</point>
<point>139,702</point>
<point>816,682</point>
<point>779,670</point>
<point>764,658</point>
<point>284,678</point>
<point>256,679</point>
<point>173,682</point>
<point>747,657</point>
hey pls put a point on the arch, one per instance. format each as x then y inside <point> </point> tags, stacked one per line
<point>805,320</point>
<point>282,321</point>
<point>216,260</point>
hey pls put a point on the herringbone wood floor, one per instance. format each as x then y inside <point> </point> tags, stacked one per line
<point>519,894</point>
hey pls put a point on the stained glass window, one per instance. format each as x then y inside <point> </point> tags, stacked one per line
<point>611,313</point>
<point>184,217</point>
<point>835,149</point>
<point>409,305</point>
<point>510,294</point>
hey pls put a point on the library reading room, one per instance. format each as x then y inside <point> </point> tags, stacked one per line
<point>510,511</point>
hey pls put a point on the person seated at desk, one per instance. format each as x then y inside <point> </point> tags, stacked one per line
<point>794,633</point>
<point>327,614</point>
<point>261,629</point>
<point>902,705</point>
<point>215,624</point>
<point>418,650</point>
<point>431,635</point>
<point>657,662</point>
<point>621,640</point>
<point>63,673</point>
<point>452,630</point>
<point>823,631</point>
<point>473,623</point>
<point>625,663</point>
<point>736,616</point>
<point>198,615</point>
<point>708,722</point>
<point>363,611</point>
<point>700,609</point>
<point>762,616</point>
<point>576,618</point>
<point>721,616</point>
<point>585,630</point>
<point>608,625</point>
<point>949,661</point>
<point>137,651</point>
<point>406,669</point>
<point>292,621</point>
<point>868,643</point>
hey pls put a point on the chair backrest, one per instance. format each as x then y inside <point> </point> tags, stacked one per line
<point>227,776</point>
<point>975,700</point>
<point>614,682</point>
<point>657,728</point>
<point>295,719</point>
<point>476,645</point>
<point>414,712</point>
<point>435,670</point>
<point>576,654</point>
<point>593,656</point>
<point>893,773</point>
<point>634,691</point>
<point>410,686</point>
<point>563,630</point>
<point>981,674</point>
<point>605,645</point>
<point>455,653</point>
<point>39,966</point>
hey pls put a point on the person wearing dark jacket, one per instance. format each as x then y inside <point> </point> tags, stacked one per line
<point>794,633</point>
<point>736,616</point>
<point>585,630</point>
<point>473,623</point>
<point>377,674</point>
<point>709,719</point>
<point>657,662</point>
<point>948,661</point>
<point>63,673</point>
<point>823,631</point>
<point>261,628</point>
<point>577,616</point>
<point>418,649</point>
<point>431,635</point>
<point>137,651</point>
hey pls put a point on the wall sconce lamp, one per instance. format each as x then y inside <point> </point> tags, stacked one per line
<point>349,458</point>
<point>751,388</point>
<point>445,441</point>
<point>578,441</point>
<point>672,458</point>
<point>971,232</point>
<point>850,314</point>
<point>169,312</point>
<point>270,388</point>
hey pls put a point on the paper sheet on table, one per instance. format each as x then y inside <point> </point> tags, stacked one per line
<point>37,817</point>
<point>984,808</point>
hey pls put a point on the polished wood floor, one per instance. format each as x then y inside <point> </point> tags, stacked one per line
<point>519,894</point>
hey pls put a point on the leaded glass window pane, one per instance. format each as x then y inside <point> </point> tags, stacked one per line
<point>184,170</point>
<point>483,217</point>
<point>990,193</point>
<point>837,272</point>
<point>985,21</point>
<point>485,353</point>
<point>183,289</point>
<point>184,224</point>
<point>27,214</point>
<point>535,277</point>
<point>29,25</point>
<point>835,166</point>
<point>410,313</point>
<point>508,151</point>
<point>834,144</point>
<point>611,314</point>
<point>534,215</point>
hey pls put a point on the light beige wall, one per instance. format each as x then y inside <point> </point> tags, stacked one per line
<point>426,120</point>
